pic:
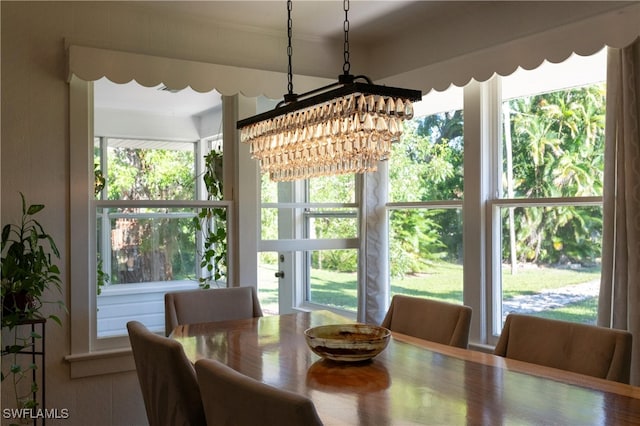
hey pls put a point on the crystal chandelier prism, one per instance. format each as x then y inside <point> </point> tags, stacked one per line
<point>345,127</point>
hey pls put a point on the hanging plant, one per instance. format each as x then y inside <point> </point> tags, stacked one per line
<point>212,222</point>
<point>99,182</point>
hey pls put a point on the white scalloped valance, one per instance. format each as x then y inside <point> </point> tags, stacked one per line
<point>614,29</point>
<point>90,64</point>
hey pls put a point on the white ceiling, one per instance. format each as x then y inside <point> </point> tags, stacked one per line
<point>369,19</point>
<point>134,97</point>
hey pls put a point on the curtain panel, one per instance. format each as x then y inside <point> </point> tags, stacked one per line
<point>619,301</point>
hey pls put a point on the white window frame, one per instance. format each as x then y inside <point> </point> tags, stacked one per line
<point>90,355</point>
<point>481,204</point>
<point>449,100</point>
<point>482,132</point>
<point>293,287</point>
<point>487,183</point>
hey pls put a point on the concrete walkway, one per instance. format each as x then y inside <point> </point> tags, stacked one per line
<point>550,299</point>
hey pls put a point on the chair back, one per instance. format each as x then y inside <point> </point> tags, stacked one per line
<point>168,381</point>
<point>427,319</point>
<point>216,304</point>
<point>231,398</point>
<point>580,348</point>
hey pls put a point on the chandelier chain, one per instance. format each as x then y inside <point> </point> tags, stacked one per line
<point>344,127</point>
<point>289,48</point>
<point>346,67</point>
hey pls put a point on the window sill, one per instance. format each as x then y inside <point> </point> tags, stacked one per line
<point>480,347</point>
<point>98,363</point>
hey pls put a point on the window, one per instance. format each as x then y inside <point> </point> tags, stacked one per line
<point>494,200</point>
<point>149,152</point>
<point>425,210</point>
<point>145,250</point>
<point>549,204</point>
<point>465,220</point>
<point>316,223</point>
<point>328,270</point>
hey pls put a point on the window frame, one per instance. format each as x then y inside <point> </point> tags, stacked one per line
<point>482,130</point>
<point>295,245</point>
<point>89,355</point>
<point>440,102</point>
<point>497,201</point>
<point>481,204</point>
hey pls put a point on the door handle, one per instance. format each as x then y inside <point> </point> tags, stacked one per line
<point>280,274</point>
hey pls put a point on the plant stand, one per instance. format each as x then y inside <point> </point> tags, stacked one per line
<point>32,350</point>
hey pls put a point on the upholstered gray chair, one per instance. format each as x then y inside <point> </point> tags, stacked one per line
<point>168,381</point>
<point>580,348</point>
<point>427,319</point>
<point>216,304</point>
<point>231,398</point>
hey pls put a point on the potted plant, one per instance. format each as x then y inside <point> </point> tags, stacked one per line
<point>28,272</point>
<point>28,268</point>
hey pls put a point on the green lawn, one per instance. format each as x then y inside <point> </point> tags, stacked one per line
<point>444,282</point>
<point>584,311</point>
<point>530,280</point>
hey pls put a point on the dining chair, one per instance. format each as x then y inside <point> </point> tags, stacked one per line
<point>167,379</point>
<point>216,304</point>
<point>580,348</point>
<point>428,319</point>
<point>231,398</point>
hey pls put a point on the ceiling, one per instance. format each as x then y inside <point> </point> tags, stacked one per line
<point>153,100</point>
<point>368,19</point>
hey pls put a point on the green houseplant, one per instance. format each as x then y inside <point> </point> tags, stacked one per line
<point>213,224</point>
<point>28,273</point>
<point>28,268</point>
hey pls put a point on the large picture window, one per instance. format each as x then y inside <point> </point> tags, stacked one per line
<point>148,240</point>
<point>426,188</point>
<point>550,206</point>
<point>538,186</point>
<point>151,234</point>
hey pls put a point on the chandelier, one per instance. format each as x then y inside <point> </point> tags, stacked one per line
<point>345,127</point>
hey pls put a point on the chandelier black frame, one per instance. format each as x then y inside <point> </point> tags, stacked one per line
<point>346,85</point>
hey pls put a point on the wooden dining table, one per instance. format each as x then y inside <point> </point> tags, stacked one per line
<point>412,381</point>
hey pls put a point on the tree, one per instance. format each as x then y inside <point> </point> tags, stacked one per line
<point>558,146</point>
<point>427,165</point>
<point>153,244</point>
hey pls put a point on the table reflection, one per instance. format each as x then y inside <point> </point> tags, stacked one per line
<point>358,377</point>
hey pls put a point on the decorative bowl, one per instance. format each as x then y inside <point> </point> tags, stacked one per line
<point>347,342</point>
